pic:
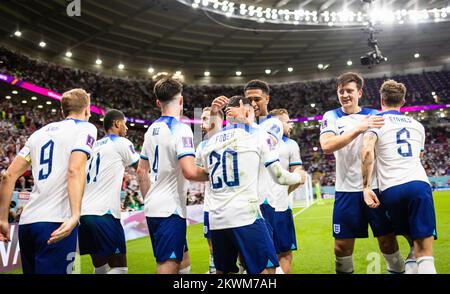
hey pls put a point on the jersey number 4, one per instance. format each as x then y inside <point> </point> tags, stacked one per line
<point>215,160</point>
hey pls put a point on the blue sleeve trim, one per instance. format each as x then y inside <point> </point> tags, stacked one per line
<point>270,162</point>
<point>328,131</point>
<point>185,154</point>
<point>295,163</point>
<point>84,151</point>
<point>143,157</point>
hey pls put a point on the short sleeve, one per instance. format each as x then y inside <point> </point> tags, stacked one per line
<point>25,152</point>
<point>422,132</point>
<point>86,138</point>
<point>328,124</point>
<point>127,152</point>
<point>269,149</point>
<point>184,142</point>
<point>145,147</point>
<point>294,154</point>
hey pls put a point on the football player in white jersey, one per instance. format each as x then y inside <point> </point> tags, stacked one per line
<point>341,134</point>
<point>232,156</point>
<point>57,154</point>
<point>405,190</point>
<point>210,126</point>
<point>282,221</point>
<point>100,233</point>
<point>168,154</point>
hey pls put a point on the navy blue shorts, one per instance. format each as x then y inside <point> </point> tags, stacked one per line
<point>252,242</point>
<point>351,217</point>
<point>411,209</point>
<point>101,235</point>
<point>281,228</point>
<point>40,258</point>
<point>206,231</point>
<point>168,236</point>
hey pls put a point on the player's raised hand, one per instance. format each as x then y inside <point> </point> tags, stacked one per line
<point>218,104</point>
<point>63,231</point>
<point>4,231</point>
<point>371,198</point>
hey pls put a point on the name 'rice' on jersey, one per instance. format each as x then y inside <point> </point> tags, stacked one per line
<point>348,158</point>
<point>232,158</point>
<point>166,141</point>
<point>400,142</point>
<point>104,175</point>
<point>274,127</point>
<point>48,150</point>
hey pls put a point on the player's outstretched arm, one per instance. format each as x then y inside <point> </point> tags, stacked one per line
<point>283,177</point>
<point>76,180</point>
<point>8,180</point>
<point>143,170</point>
<point>330,142</point>
<point>367,165</point>
<point>299,170</point>
<point>191,171</point>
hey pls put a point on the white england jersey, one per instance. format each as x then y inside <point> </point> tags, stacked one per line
<point>198,161</point>
<point>274,127</point>
<point>166,141</point>
<point>104,175</point>
<point>289,156</point>
<point>397,150</point>
<point>348,158</point>
<point>232,158</point>
<point>48,150</point>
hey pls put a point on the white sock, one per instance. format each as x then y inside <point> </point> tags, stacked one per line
<point>395,263</point>
<point>101,270</point>
<point>410,263</point>
<point>185,270</point>
<point>242,270</point>
<point>279,271</point>
<point>425,265</point>
<point>118,271</point>
<point>212,267</point>
<point>344,265</point>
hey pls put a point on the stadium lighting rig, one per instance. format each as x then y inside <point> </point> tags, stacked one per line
<point>261,14</point>
<point>375,56</point>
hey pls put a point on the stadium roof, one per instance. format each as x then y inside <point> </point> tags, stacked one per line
<point>170,36</point>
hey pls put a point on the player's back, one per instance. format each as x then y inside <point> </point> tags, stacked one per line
<point>104,176</point>
<point>166,141</point>
<point>49,150</point>
<point>232,158</point>
<point>400,142</point>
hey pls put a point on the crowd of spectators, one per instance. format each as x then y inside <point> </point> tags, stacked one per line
<point>135,97</point>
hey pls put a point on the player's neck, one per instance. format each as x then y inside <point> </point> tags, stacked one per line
<point>113,133</point>
<point>171,112</point>
<point>263,114</point>
<point>384,109</point>
<point>76,116</point>
<point>351,110</point>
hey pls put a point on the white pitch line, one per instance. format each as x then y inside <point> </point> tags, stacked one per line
<point>297,213</point>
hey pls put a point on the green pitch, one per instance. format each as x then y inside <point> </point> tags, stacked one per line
<point>314,239</point>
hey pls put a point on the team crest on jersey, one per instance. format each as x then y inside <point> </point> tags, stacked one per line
<point>90,141</point>
<point>187,142</point>
<point>324,124</point>
<point>336,228</point>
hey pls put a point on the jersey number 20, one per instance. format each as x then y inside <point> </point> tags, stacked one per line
<point>216,159</point>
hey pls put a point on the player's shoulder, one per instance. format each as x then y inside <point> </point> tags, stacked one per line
<point>368,111</point>
<point>289,141</point>
<point>333,113</point>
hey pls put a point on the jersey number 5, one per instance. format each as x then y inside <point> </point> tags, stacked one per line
<point>405,134</point>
